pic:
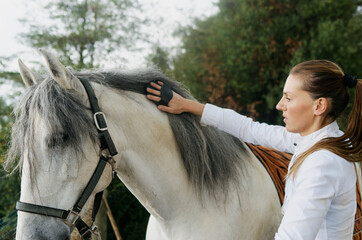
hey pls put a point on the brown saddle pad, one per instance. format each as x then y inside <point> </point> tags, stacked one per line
<point>276,163</point>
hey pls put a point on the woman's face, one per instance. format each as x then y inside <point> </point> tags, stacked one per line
<point>297,107</point>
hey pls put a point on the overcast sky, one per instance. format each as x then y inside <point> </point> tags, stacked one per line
<point>175,12</point>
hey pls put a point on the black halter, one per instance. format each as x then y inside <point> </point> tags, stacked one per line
<point>71,217</point>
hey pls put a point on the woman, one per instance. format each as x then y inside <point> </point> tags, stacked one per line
<point>320,198</point>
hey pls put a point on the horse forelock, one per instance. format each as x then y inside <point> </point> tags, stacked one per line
<point>64,118</point>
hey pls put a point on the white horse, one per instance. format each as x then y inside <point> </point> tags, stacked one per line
<point>195,181</point>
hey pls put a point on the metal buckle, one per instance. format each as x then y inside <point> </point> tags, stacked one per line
<point>84,235</point>
<point>92,230</point>
<point>95,231</point>
<point>96,121</point>
<point>71,218</point>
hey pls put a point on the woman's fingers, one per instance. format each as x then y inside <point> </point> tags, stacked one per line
<point>168,109</point>
<point>155,95</point>
<point>157,86</point>
<point>153,98</point>
<point>154,92</point>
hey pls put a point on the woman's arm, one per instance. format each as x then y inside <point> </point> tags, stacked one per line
<point>248,130</point>
<point>228,121</point>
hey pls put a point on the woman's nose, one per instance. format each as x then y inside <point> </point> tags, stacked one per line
<point>280,106</point>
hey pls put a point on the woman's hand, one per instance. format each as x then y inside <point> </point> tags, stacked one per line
<point>177,104</point>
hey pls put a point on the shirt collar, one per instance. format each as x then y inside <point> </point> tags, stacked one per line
<point>331,130</point>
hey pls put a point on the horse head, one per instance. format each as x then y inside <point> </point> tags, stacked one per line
<point>59,148</point>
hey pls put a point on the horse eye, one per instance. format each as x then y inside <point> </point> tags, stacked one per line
<point>57,140</point>
<point>65,138</point>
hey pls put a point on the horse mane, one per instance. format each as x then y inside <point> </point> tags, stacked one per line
<point>212,159</point>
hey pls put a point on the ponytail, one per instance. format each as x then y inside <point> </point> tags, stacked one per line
<point>349,145</point>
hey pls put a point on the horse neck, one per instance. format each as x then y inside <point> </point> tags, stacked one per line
<point>148,162</point>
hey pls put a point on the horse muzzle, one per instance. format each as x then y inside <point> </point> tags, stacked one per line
<point>37,227</point>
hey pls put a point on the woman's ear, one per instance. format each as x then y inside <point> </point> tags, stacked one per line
<point>321,106</point>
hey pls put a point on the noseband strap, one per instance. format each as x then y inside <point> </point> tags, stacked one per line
<point>46,211</point>
<point>72,217</point>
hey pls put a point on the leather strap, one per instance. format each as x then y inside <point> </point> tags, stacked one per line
<point>100,120</point>
<point>96,205</point>
<point>46,211</point>
<point>91,184</point>
<point>83,229</point>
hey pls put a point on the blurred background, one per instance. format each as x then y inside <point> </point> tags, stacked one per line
<point>232,53</point>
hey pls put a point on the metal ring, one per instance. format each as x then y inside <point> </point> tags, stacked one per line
<point>72,221</point>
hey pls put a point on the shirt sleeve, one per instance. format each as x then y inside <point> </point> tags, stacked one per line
<point>317,182</point>
<point>245,128</point>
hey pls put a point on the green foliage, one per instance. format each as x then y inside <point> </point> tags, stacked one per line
<point>8,226</point>
<point>240,57</point>
<point>10,192</point>
<point>130,215</point>
<point>87,30</point>
<point>9,185</point>
<point>160,58</point>
<point>14,76</point>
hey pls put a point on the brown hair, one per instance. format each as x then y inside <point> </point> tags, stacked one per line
<point>325,79</point>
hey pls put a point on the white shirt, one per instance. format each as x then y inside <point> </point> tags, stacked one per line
<point>320,202</point>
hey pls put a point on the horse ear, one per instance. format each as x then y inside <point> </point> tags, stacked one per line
<point>29,78</point>
<point>60,73</point>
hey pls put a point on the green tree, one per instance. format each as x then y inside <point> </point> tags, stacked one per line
<point>9,185</point>
<point>240,57</point>
<point>84,32</point>
<point>160,58</point>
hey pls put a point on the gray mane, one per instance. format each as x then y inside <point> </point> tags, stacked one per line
<point>212,158</point>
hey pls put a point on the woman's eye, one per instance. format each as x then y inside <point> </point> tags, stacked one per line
<point>288,99</point>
